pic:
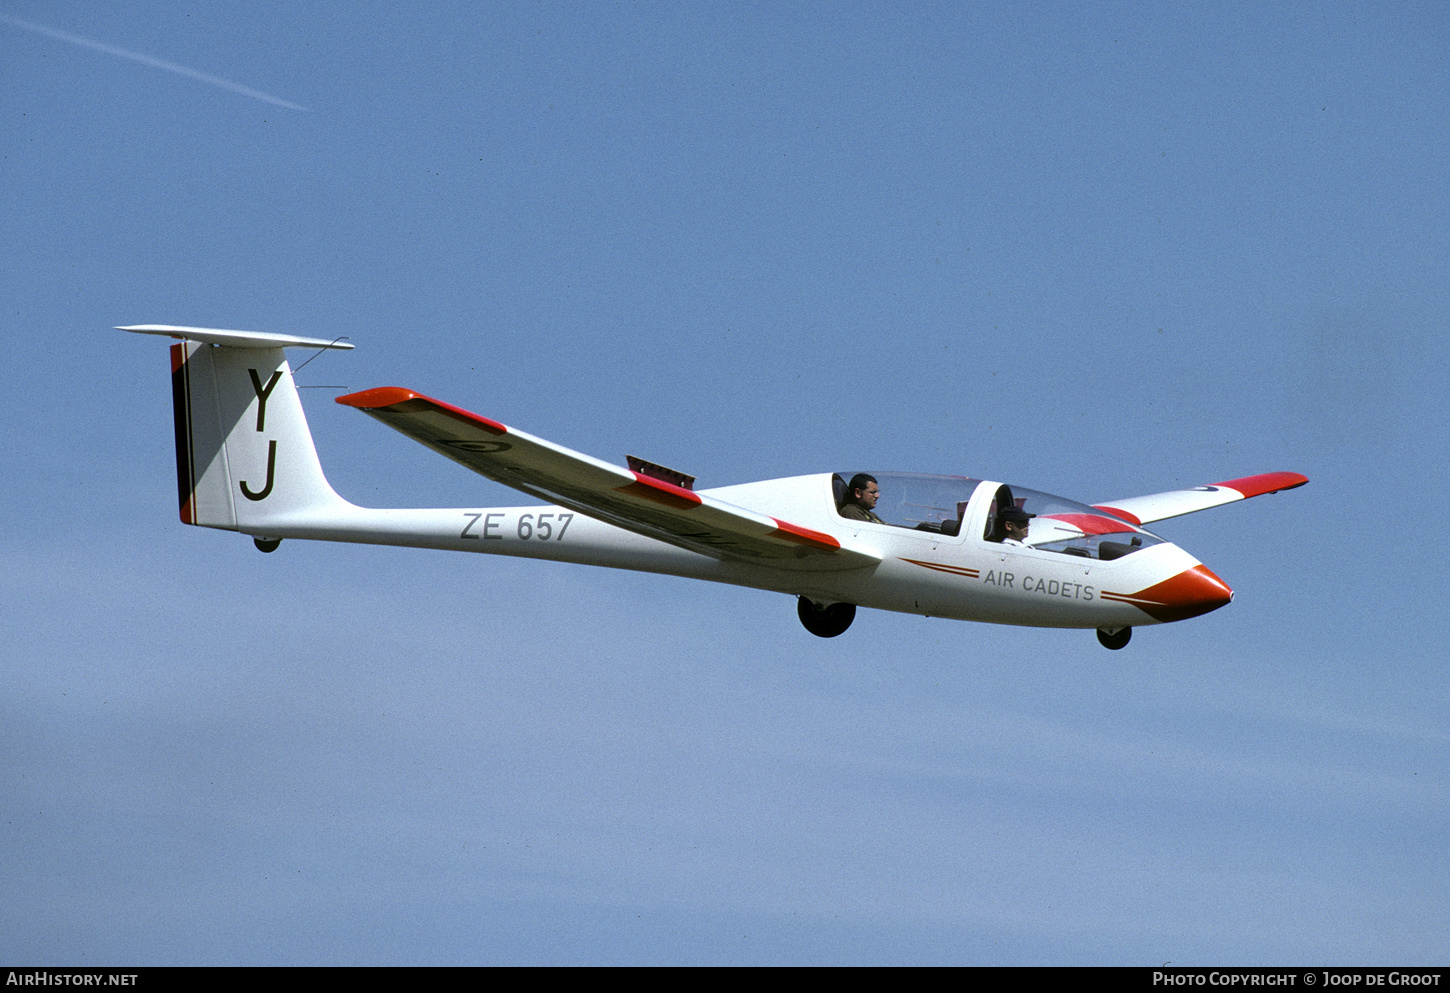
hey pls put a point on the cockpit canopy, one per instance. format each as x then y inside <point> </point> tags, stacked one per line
<point>939,504</point>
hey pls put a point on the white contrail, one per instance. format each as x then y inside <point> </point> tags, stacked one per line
<point>76,39</point>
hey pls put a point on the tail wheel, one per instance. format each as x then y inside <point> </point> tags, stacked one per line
<point>825,622</point>
<point>266,544</point>
<point>1114,638</point>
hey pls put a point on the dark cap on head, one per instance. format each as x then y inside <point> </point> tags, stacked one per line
<point>1014,515</point>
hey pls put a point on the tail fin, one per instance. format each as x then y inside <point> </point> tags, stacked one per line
<point>245,460</point>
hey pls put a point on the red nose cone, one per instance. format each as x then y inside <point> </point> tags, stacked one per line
<point>1190,593</point>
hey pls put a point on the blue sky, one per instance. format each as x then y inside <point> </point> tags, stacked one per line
<point>1095,249</point>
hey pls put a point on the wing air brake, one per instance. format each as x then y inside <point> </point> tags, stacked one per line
<point>631,500</point>
<point>1175,503</point>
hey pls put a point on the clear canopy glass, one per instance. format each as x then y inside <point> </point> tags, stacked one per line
<point>938,503</point>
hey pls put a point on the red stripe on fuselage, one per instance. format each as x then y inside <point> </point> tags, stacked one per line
<point>955,570</point>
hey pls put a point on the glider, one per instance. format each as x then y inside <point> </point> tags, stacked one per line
<point>933,545</point>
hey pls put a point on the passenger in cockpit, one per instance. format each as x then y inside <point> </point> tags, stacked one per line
<point>1015,521</point>
<point>861,496</point>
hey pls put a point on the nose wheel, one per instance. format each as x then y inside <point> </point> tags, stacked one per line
<point>825,622</point>
<point>1114,638</point>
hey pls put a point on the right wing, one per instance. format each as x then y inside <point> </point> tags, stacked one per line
<point>618,496</point>
<point>1175,503</point>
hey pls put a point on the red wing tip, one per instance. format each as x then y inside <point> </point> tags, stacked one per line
<point>1268,482</point>
<point>382,396</point>
<point>387,397</point>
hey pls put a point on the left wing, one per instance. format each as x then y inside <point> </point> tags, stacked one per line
<point>1175,503</point>
<point>630,500</point>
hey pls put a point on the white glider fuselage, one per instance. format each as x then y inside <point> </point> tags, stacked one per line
<point>246,462</point>
<point>963,577</point>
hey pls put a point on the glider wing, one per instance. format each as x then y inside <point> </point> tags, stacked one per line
<point>1160,506</point>
<point>627,499</point>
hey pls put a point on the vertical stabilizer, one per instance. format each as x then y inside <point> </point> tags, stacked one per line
<point>245,460</point>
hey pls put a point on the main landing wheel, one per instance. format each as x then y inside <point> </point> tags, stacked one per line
<point>825,622</point>
<point>1114,638</point>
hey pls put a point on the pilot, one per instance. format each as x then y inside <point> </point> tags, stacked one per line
<point>861,496</point>
<point>1014,522</point>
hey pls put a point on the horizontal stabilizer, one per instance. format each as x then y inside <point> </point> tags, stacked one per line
<point>631,500</point>
<point>235,339</point>
<point>1175,503</point>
